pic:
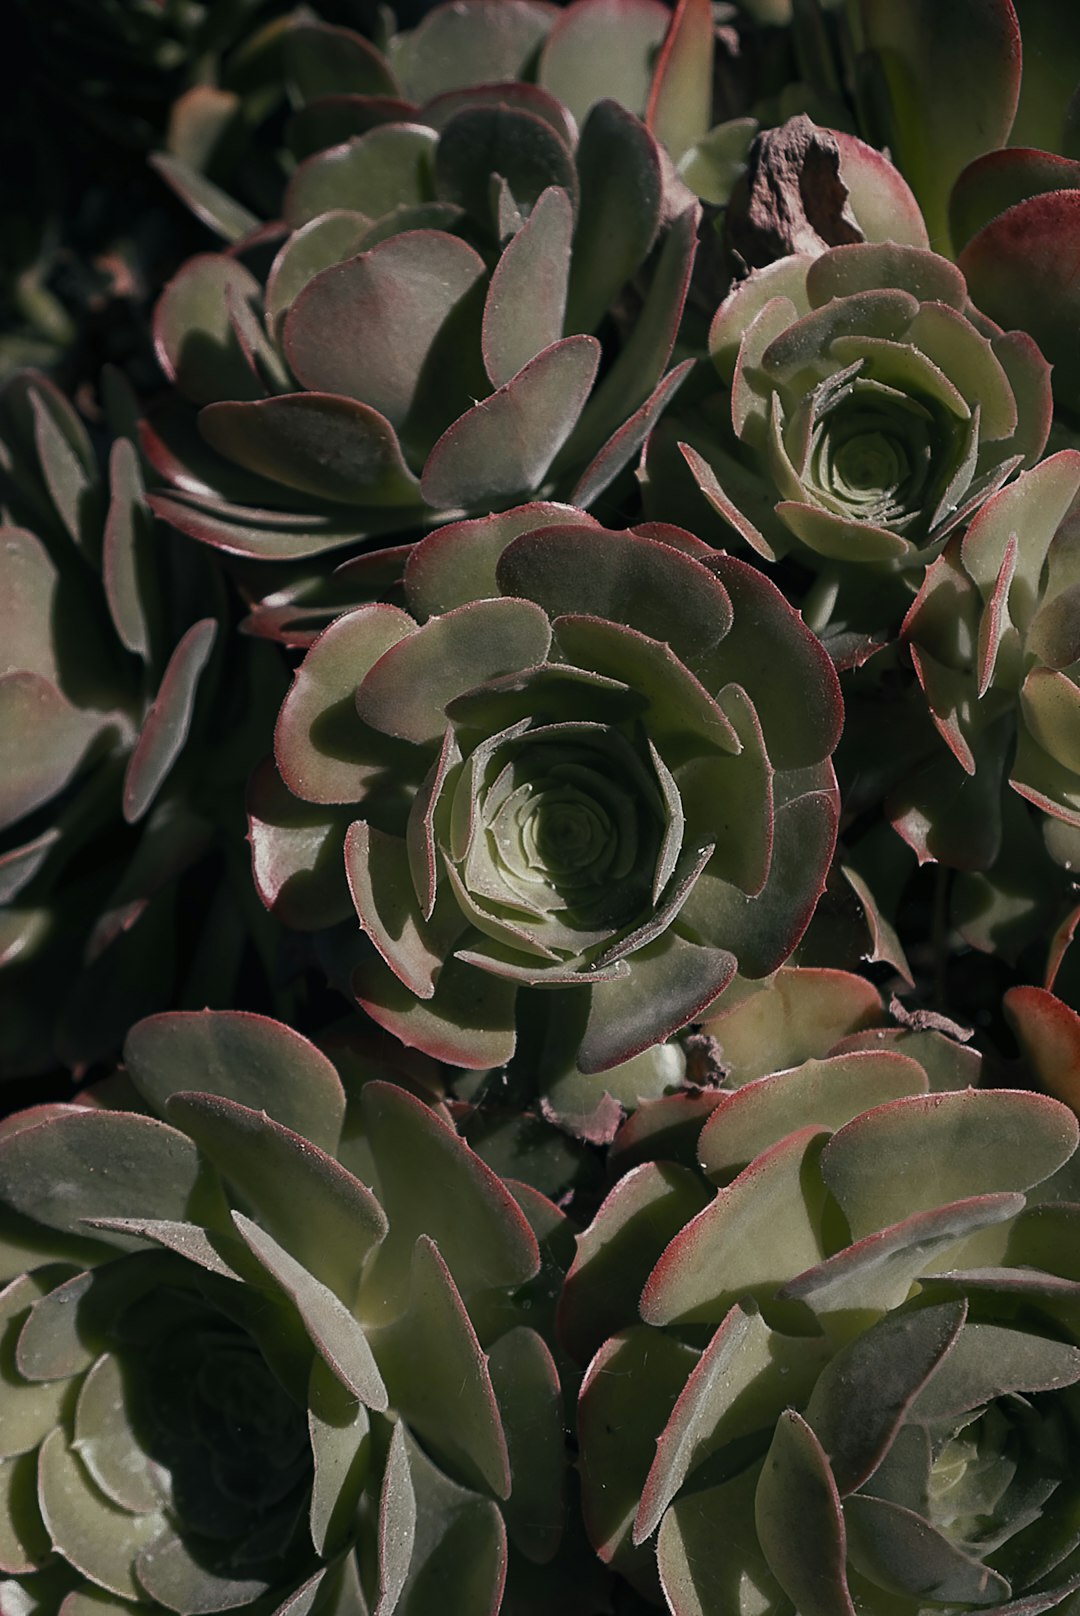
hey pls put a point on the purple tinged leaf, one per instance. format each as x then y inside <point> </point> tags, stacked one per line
<point>617,1250</point>
<point>296,854</point>
<point>420,830</point>
<point>1050,705</point>
<point>990,1361</point>
<point>879,196</point>
<point>620,577</point>
<point>800,1523</point>
<point>189,1240</point>
<point>458,46</point>
<point>372,174</point>
<point>864,1394</point>
<point>748,1239</point>
<point>900,1551</point>
<point>31,1409</point>
<point>30,580</point>
<point>433,1185</point>
<point>468,1022</point>
<point>943,1148</point>
<point>618,166</point>
<point>884,941</point>
<point>242,1057</point>
<point>319,444</point>
<point>826,1093</point>
<point>526,300</point>
<point>604,49</point>
<point>869,267</point>
<point>365,328</point>
<point>798,1015</point>
<point>769,652</point>
<point>321,747</point>
<point>624,443</point>
<point>457,564</point>
<point>1048,1033</point>
<point>506,93</point>
<point>194,336</point>
<point>105,1443</point>
<point>327,240</point>
<point>67,466</point>
<point>1034,505</point>
<point>413,946</point>
<point>406,692</point>
<point>999,180</point>
<point>724,505</point>
<point>679,110</point>
<point>840,538</point>
<point>167,723</point>
<point>341,1453</point>
<point>732,1391</point>
<point>763,930</point>
<point>322,60</point>
<point>261,535</point>
<point>626,1399</point>
<point>170,1573</point>
<point>646,351</point>
<point>505,444</point>
<point>19,865</point>
<point>522,147</point>
<point>730,799</point>
<point>693,1558</point>
<point>320,1213</point>
<point>334,1333</point>
<point>437,1376</point>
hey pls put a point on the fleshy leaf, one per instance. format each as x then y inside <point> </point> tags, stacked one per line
<point>334,1333</point>
<point>431,1183</point>
<point>942,1148</point>
<point>323,1215</point>
<point>242,1057</point>
<point>437,1376</point>
<point>749,1238</point>
<point>504,445</point>
<point>800,1522</point>
<point>166,725</point>
<point>365,328</point>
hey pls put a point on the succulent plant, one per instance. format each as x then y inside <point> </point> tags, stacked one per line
<point>484,242</point>
<point>112,646</point>
<point>241,1376</point>
<point>978,111</point>
<point>992,635</point>
<point>853,1384</point>
<point>591,763</point>
<point>871,413</point>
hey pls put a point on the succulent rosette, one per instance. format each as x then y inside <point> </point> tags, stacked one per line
<point>235,1374</point>
<point>586,762</point>
<point>978,111</point>
<point>473,303</point>
<point>871,411</point>
<point>993,636</point>
<point>111,647</point>
<point>852,1383</point>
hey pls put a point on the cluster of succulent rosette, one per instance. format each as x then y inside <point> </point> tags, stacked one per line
<point>540,808</point>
